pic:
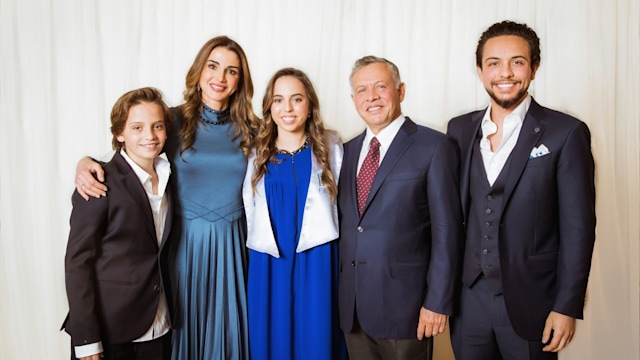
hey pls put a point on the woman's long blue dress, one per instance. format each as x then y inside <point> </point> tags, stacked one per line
<point>292,311</point>
<point>208,258</point>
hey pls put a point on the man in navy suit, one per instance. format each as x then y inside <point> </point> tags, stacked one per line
<point>528,198</point>
<point>400,247</point>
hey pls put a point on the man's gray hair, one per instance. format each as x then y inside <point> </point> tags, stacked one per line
<point>370,59</point>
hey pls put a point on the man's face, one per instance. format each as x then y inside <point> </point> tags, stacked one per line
<point>506,70</point>
<point>375,96</point>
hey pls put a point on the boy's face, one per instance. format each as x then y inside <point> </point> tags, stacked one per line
<point>144,133</point>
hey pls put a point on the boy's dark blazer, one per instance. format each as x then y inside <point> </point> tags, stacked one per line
<point>113,265</point>
<point>547,228</point>
<point>403,253</point>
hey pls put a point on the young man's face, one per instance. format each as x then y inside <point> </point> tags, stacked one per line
<point>506,70</point>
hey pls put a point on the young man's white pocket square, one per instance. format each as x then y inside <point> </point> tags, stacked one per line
<point>538,151</point>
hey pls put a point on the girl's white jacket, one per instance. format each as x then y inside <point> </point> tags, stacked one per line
<point>320,220</point>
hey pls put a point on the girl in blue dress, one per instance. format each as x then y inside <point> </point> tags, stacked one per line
<point>289,195</point>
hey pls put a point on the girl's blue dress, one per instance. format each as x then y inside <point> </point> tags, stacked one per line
<point>292,311</point>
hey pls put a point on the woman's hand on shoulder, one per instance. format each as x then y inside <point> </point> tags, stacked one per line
<point>86,173</point>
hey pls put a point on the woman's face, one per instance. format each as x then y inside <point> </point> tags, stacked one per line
<point>219,77</point>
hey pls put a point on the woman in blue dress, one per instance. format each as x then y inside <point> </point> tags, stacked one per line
<point>207,147</point>
<point>289,194</point>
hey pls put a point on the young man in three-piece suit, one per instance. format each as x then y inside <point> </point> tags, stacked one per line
<point>528,198</point>
<point>400,224</point>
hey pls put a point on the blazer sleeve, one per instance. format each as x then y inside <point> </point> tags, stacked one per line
<point>577,220</point>
<point>446,228</point>
<point>88,226</point>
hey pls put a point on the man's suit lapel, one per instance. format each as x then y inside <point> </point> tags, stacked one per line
<point>399,145</point>
<point>468,138</point>
<point>136,191</point>
<point>350,167</point>
<point>532,130</point>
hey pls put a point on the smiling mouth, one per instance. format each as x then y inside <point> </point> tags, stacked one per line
<point>217,87</point>
<point>374,108</point>
<point>505,86</point>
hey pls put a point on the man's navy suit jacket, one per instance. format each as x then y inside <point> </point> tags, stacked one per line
<point>404,252</point>
<point>547,228</point>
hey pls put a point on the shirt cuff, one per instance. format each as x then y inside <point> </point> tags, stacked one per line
<point>88,350</point>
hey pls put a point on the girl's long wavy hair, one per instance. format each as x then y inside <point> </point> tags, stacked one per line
<point>265,140</point>
<point>241,110</point>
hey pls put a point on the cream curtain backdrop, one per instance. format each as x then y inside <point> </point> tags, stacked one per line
<point>63,64</point>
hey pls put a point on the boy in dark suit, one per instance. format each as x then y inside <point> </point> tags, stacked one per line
<point>115,284</point>
<point>528,197</point>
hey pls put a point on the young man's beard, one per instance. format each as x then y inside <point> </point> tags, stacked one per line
<point>508,103</point>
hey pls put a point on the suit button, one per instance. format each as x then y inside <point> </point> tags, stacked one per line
<point>488,211</point>
<point>360,229</point>
<point>486,237</point>
<point>156,288</point>
<point>489,197</point>
<point>487,224</point>
<point>485,251</point>
<point>353,263</point>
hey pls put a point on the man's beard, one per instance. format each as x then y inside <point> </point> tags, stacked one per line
<point>508,103</point>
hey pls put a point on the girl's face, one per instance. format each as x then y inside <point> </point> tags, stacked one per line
<point>290,105</point>
<point>219,77</point>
